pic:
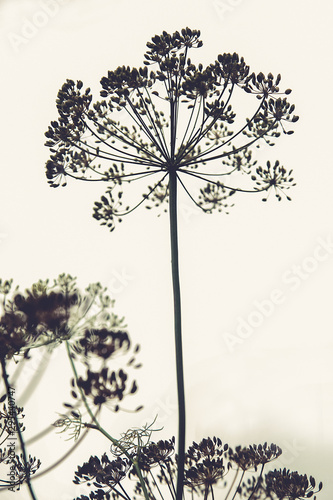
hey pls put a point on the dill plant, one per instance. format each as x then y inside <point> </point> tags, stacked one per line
<point>173,124</point>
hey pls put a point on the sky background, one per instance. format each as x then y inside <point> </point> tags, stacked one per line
<point>262,275</point>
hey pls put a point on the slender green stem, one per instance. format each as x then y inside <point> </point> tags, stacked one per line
<point>178,332</point>
<point>156,485</point>
<point>168,481</point>
<point>239,483</point>
<point>19,432</point>
<point>35,379</point>
<point>258,481</point>
<point>232,484</point>
<point>102,430</point>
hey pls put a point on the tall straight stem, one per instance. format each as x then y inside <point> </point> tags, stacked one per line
<point>19,432</point>
<point>178,332</point>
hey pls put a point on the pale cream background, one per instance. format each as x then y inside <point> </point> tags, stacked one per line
<point>277,385</point>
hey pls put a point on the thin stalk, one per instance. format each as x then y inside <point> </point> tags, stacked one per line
<point>190,196</point>
<point>124,139</point>
<point>239,483</point>
<point>35,379</point>
<point>19,432</point>
<point>156,485</point>
<point>162,138</point>
<point>206,492</point>
<point>123,490</point>
<point>102,430</point>
<point>231,138</point>
<point>188,125</point>
<point>63,457</point>
<point>169,483</point>
<point>226,187</point>
<point>258,481</point>
<point>144,198</point>
<point>232,484</point>
<point>178,332</point>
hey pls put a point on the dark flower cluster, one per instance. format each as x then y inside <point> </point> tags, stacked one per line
<point>243,458</point>
<point>273,177</point>
<point>71,103</point>
<point>49,311</point>
<point>264,86</point>
<point>7,420</point>
<point>214,196</point>
<point>250,457</point>
<point>262,454</point>
<point>106,385</point>
<point>109,473</point>
<point>290,485</point>
<point>22,470</point>
<point>102,473</point>
<point>35,316</point>
<point>208,465</point>
<point>168,45</point>
<point>103,342</point>
<point>45,315</point>
<point>179,119</point>
<point>155,454</point>
<point>19,471</point>
<point>98,495</point>
<point>204,463</point>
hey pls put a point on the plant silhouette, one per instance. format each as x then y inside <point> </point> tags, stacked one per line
<point>179,120</point>
<point>171,124</point>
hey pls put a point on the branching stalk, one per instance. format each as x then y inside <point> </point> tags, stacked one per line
<point>102,430</point>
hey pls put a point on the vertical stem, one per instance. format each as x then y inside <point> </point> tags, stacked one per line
<point>240,482</point>
<point>258,481</point>
<point>19,432</point>
<point>233,482</point>
<point>178,332</point>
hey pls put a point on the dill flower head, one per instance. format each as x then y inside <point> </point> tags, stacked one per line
<point>170,118</point>
<point>38,315</point>
<point>102,472</point>
<point>290,485</point>
<point>103,342</point>
<point>205,463</point>
<point>156,453</point>
<point>250,457</point>
<point>105,385</point>
<point>47,314</point>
